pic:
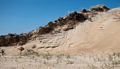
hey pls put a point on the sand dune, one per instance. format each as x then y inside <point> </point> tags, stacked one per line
<point>99,35</point>
<point>86,46</point>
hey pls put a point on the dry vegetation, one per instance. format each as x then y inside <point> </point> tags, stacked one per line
<point>34,60</point>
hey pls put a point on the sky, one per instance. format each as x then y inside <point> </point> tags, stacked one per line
<point>20,16</point>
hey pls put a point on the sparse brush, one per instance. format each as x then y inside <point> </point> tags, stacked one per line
<point>47,56</point>
<point>30,52</point>
<point>59,58</point>
<point>69,62</point>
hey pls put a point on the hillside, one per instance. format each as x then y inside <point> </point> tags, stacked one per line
<point>62,24</point>
<point>88,39</point>
<point>95,29</point>
<point>99,34</point>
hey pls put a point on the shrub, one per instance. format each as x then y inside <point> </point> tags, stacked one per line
<point>76,17</point>
<point>45,30</point>
<point>52,25</point>
<point>99,8</point>
<point>84,11</point>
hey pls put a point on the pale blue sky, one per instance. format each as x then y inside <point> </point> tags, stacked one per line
<point>17,16</point>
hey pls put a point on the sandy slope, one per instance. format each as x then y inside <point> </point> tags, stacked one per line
<point>99,35</point>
